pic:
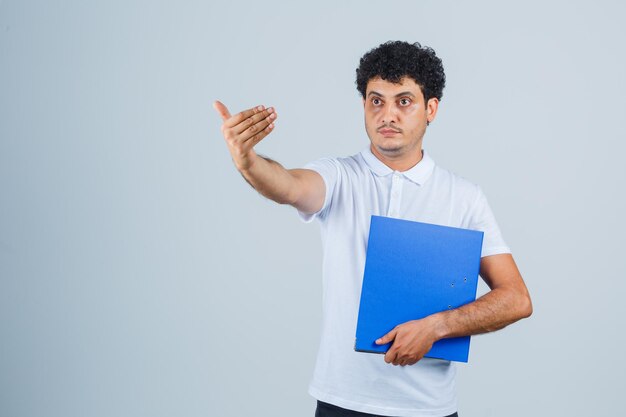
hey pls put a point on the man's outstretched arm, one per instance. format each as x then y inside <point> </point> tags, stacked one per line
<point>507,302</point>
<point>302,188</point>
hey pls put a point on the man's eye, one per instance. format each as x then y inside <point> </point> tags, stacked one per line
<point>375,101</point>
<point>405,101</point>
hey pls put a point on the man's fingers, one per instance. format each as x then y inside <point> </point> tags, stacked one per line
<point>259,136</point>
<point>390,356</point>
<point>241,116</point>
<point>246,126</point>
<point>257,128</point>
<point>222,110</point>
<point>392,353</point>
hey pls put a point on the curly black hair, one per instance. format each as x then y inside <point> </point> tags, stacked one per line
<point>394,60</point>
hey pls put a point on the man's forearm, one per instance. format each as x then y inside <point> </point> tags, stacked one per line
<point>493,311</point>
<point>271,180</point>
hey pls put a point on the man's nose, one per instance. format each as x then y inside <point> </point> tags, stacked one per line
<point>389,114</point>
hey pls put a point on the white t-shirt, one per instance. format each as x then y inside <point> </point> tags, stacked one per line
<point>358,187</point>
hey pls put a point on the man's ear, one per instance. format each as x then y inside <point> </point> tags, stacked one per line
<point>431,109</point>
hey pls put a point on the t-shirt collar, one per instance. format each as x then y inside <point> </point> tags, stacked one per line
<point>419,174</point>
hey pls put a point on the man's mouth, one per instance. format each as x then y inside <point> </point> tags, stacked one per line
<point>388,132</point>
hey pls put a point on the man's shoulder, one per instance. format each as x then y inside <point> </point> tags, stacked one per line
<point>351,163</point>
<point>353,159</point>
<point>457,182</point>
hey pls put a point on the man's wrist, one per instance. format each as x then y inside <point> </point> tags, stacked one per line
<point>439,325</point>
<point>244,166</point>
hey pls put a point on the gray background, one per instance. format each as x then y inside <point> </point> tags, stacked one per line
<point>141,276</point>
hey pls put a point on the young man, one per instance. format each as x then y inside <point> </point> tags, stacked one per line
<point>401,85</point>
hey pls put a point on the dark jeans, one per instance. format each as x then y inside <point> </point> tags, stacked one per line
<point>329,410</point>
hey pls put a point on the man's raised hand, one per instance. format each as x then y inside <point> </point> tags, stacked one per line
<point>302,188</point>
<point>244,130</point>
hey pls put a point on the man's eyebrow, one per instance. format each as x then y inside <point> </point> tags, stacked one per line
<point>404,93</point>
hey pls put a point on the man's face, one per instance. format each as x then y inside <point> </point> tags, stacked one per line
<point>396,116</point>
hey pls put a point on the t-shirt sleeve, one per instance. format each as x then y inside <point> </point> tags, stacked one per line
<point>482,219</point>
<point>328,169</point>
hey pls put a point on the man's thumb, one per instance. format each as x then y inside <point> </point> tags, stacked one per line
<point>387,338</point>
<point>221,109</point>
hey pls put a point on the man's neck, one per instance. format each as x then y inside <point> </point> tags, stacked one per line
<point>400,163</point>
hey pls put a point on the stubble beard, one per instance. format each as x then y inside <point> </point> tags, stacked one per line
<point>393,150</point>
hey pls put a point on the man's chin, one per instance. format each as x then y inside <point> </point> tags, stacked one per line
<point>389,149</point>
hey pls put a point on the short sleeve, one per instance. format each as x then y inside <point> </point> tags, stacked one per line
<point>329,171</point>
<point>482,219</point>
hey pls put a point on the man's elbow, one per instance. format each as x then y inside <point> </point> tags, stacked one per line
<point>525,306</point>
